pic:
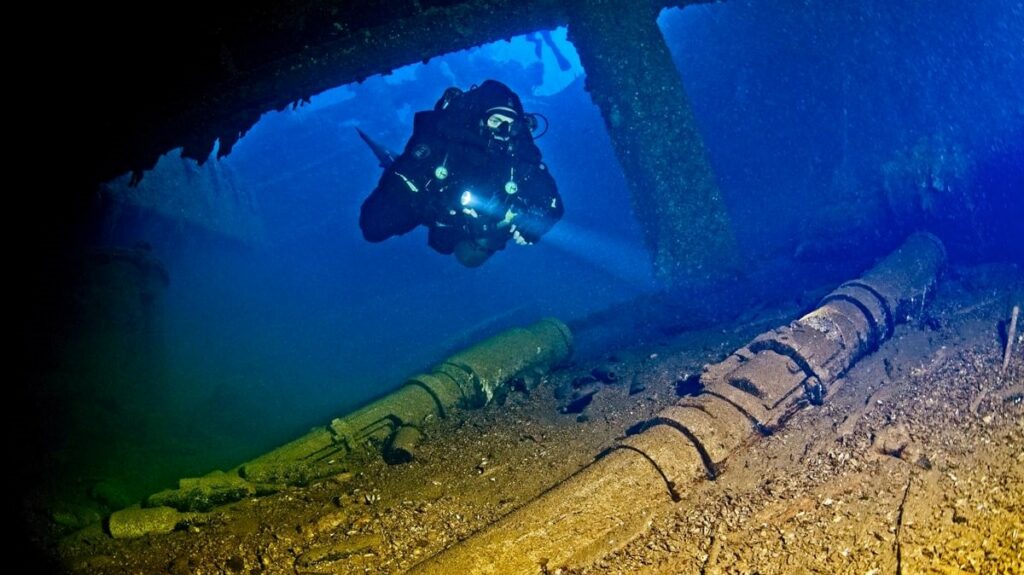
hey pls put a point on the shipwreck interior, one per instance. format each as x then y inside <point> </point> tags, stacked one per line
<point>778,326</point>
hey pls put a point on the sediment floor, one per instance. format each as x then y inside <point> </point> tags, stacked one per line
<point>915,464</point>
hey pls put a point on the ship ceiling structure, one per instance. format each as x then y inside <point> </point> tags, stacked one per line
<point>209,72</point>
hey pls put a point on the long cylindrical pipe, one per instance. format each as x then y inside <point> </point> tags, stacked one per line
<point>466,380</point>
<point>752,391</point>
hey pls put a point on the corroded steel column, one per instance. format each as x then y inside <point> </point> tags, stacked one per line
<point>632,79</point>
<point>753,391</point>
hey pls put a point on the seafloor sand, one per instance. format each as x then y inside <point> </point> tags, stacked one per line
<point>915,464</point>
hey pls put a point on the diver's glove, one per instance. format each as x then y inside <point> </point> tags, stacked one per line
<point>516,230</point>
<point>518,238</point>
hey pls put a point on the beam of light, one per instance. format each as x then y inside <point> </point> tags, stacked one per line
<point>624,260</point>
<point>487,207</point>
<point>617,257</point>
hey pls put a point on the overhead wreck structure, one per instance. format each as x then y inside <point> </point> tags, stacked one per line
<point>206,93</point>
<point>632,79</point>
<point>752,392</point>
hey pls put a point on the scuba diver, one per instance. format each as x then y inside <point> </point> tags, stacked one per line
<point>470,173</point>
<point>544,37</point>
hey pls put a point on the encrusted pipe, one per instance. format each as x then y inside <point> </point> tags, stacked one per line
<point>135,522</point>
<point>753,391</point>
<point>391,425</point>
<point>467,380</point>
<point>402,446</point>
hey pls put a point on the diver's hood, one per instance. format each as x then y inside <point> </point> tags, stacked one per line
<point>493,94</point>
<point>499,110</point>
<point>491,110</point>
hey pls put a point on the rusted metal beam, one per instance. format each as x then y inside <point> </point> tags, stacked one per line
<point>633,80</point>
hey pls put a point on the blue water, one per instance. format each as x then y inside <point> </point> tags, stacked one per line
<point>822,119</point>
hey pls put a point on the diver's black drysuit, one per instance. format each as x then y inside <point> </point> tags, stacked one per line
<point>470,183</point>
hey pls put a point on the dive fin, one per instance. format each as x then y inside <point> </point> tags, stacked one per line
<point>385,157</point>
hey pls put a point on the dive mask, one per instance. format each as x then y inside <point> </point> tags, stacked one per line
<point>501,123</point>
